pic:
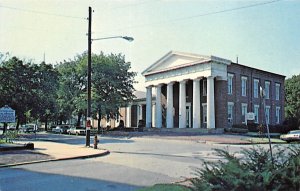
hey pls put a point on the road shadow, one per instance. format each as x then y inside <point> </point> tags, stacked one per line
<point>48,181</point>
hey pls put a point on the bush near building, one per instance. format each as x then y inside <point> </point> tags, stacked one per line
<point>254,171</point>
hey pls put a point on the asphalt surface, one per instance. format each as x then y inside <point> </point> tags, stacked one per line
<point>25,156</point>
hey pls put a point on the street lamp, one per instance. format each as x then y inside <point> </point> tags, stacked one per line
<point>262,95</point>
<point>89,103</point>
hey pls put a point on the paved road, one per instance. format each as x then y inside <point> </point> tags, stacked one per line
<point>133,163</point>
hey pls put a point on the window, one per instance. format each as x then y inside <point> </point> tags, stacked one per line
<point>267,89</point>
<point>204,87</point>
<point>277,91</point>
<point>267,114</point>
<point>244,112</point>
<point>277,114</point>
<point>204,105</point>
<point>229,83</point>
<point>230,112</point>
<point>244,86</point>
<point>256,88</point>
<point>256,113</point>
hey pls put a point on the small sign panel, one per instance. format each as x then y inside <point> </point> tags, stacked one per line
<point>250,116</point>
<point>7,115</point>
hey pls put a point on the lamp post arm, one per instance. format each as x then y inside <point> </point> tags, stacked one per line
<point>124,37</point>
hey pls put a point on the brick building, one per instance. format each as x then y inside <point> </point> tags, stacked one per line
<point>194,91</point>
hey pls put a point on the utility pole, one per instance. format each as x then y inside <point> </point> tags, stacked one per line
<point>88,122</point>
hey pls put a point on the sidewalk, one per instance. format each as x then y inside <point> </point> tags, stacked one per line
<point>45,151</point>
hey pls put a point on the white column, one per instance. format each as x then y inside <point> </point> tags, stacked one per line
<point>182,104</point>
<point>149,107</point>
<point>153,114</point>
<point>170,121</point>
<point>128,116</point>
<point>210,103</point>
<point>158,112</point>
<point>196,103</point>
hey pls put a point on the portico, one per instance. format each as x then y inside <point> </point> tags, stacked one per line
<point>182,83</point>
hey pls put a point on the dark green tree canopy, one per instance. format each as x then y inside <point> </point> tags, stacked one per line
<point>28,88</point>
<point>112,83</point>
<point>292,97</point>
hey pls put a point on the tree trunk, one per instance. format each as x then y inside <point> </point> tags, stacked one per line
<point>46,124</point>
<point>18,124</point>
<point>4,128</point>
<point>79,119</point>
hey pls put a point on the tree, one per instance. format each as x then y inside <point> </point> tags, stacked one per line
<point>47,78</point>
<point>72,88</point>
<point>292,97</point>
<point>112,84</point>
<point>30,89</point>
<point>18,91</point>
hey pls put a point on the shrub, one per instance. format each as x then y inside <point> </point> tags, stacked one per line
<point>254,171</point>
<point>10,136</point>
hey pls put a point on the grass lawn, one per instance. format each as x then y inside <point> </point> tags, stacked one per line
<point>166,187</point>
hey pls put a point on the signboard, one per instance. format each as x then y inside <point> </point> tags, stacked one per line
<point>250,116</point>
<point>7,115</point>
<point>88,123</point>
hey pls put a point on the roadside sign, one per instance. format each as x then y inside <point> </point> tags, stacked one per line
<point>7,115</point>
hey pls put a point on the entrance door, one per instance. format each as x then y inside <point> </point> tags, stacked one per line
<point>188,115</point>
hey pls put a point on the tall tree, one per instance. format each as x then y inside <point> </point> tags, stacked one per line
<point>112,84</point>
<point>292,96</point>
<point>72,88</point>
<point>47,78</point>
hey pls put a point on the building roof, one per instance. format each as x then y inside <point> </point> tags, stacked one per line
<point>174,60</point>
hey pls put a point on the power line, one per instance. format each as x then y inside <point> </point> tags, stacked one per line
<point>200,15</point>
<point>42,12</point>
<point>226,10</point>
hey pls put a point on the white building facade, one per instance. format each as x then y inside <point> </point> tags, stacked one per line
<point>185,71</point>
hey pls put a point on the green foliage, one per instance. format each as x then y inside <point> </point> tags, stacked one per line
<point>292,97</point>
<point>165,187</point>
<point>254,171</point>
<point>29,88</point>
<point>10,136</point>
<point>112,83</point>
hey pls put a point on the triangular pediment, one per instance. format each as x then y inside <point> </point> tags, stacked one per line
<point>173,60</point>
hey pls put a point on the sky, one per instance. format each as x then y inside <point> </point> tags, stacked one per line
<point>263,34</point>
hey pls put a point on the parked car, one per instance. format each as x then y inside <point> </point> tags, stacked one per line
<point>76,131</point>
<point>29,128</point>
<point>61,129</point>
<point>291,136</point>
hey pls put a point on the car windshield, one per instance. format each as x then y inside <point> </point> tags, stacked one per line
<point>294,132</point>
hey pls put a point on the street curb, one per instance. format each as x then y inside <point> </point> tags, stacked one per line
<point>106,152</point>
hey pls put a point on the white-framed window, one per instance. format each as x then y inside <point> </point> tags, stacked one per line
<point>229,83</point>
<point>256,113</point>
<point>204,106</point>
<point>267,114</point>
<point>244,112</point>
<point>230,111</point>
<point>267,89</point>
<point>204,87</point>
<point>277,114</point>
<point>277,91</point>
<point>244,86</point>
<point>256,88</point>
